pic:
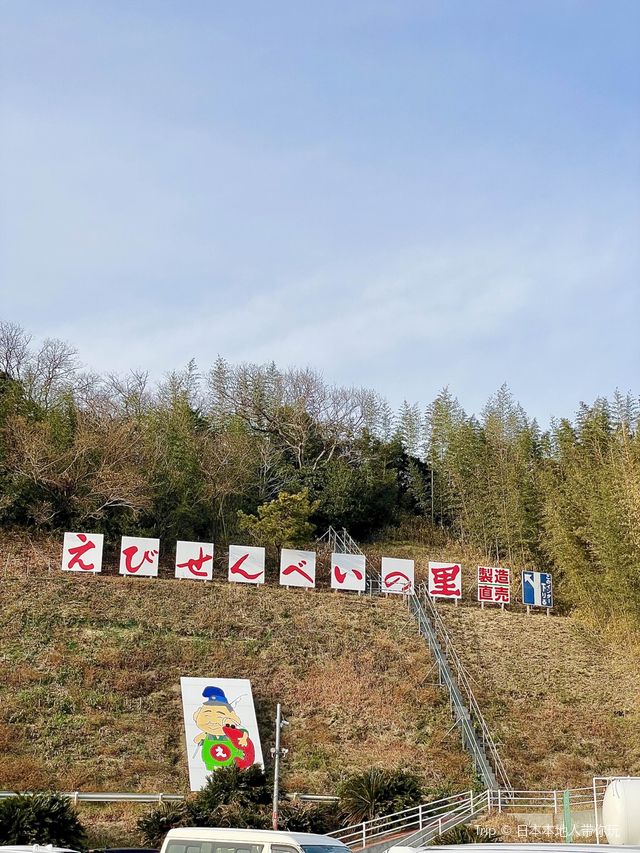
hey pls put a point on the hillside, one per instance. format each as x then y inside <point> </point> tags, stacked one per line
<point>90,668</point>
<point>562,700</point>
<point>89,692</point>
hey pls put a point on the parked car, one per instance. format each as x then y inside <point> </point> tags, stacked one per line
<point>219,840</point>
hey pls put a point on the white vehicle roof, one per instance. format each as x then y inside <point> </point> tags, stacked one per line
<point>213,833</point>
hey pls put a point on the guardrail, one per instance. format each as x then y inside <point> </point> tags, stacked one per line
<point>104,797</point>
<point>99,797</point>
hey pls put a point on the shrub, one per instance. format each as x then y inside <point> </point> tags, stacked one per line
<point>154,825</point>
<point>231,797</point>
<point>43,818</point>
<point>378,791</point>
<point>307,817</point>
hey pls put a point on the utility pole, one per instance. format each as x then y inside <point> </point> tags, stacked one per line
<point>277,752</point>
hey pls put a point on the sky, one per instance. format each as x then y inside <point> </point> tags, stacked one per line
<point>403,194</point>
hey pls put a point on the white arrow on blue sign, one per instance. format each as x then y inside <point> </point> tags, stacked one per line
<point>537,589</point>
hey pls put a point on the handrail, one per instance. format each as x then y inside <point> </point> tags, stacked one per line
<point>462,679</point>
<point>492,776</point>
<point>419,825</point>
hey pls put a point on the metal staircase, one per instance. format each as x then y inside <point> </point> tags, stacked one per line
<point>475,734</point>
<point>476,737</point>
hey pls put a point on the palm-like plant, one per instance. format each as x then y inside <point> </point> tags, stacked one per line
<point>377,791</point>
<point>43,818</point>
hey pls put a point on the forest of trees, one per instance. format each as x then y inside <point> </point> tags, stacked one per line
<point>196,455</point>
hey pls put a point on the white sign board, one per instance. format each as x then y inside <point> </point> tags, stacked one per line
<point>297,568</point>
<point>398,575</point>
<point>348,571</point>
<point>220,726</point>
<point>246,564</point>
<point>82,552</point>
<point>139,556</point>
<point>445,580</point>
<point>194,560</point>
<point>494,585</point>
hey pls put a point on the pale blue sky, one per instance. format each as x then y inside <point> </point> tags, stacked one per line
<point>405,194</point>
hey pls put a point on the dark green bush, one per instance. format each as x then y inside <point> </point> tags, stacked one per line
<point>307,817</point>
<point>43,818</point>
<point>378,791</point>
<point>231,797</point>
<point>155,824</point>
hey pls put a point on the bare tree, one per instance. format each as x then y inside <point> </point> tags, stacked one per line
<point>309,418</point>
<point>14,349</point>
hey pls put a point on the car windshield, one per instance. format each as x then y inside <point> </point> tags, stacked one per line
<point>324,848</point>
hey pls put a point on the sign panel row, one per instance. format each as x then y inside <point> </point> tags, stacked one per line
<point>82,552</point>
<point>494,584</point>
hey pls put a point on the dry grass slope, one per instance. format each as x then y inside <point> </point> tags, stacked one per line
<point>89,688</point>
<point>564,702</point>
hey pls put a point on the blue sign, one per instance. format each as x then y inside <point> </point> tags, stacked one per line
<point>537,589</point>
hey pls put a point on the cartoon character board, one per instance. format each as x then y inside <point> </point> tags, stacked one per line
<point>220,726</point>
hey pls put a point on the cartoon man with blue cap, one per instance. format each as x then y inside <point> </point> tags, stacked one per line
<point>222,738</point>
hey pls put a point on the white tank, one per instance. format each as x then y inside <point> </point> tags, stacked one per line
<point>621,811</point>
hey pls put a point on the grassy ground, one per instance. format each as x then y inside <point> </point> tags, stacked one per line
<point>90,668</point>
<point>563,701</point>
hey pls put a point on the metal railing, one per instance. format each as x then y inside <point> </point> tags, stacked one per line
<point>546,801</point>
<point>339,541</point>
<point>421,824</point>
<point>436,817</point>
<point>470,805</point>
<point>464,698</point>
<point>468,717</point>
<point>100,797</point>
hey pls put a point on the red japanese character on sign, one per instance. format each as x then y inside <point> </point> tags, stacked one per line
<point>348,572</point>
<point>485,593</point>
<point>194,560</point>
<point>398,575</point>
<point>194,565</point>
<point>485,574</point>
<point>246,564</point>
<point>78,553</point>
<point>501,576</point>
<point>130,554</point>
<point>502,594</point>
<point>297,568</point>
<point>82,552</point>
<point>139,556</point>
<point>445,580</point>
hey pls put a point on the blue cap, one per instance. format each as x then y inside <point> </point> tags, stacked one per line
<point>214,696</point>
